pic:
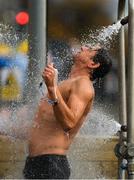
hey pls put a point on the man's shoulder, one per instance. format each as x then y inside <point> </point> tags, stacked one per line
<point>83,81</point>
<point>84,86</point>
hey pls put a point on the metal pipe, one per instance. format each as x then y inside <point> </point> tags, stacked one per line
<point>122,70</point>
<point>130,91</point>
<point>124,20</point>
<point>122,86</point>
<point>37,42</point>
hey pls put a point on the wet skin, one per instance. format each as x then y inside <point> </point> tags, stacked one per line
<point>55,127</point>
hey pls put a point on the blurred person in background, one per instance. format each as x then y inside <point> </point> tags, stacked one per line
<point>13,68</point>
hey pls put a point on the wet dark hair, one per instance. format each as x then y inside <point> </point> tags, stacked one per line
<point>105,60</point>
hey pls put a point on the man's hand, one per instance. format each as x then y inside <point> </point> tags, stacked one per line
<point>49,75</point>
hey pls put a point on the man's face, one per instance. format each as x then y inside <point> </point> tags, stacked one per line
<point>85,55</point>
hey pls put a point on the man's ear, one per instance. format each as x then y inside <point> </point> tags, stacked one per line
<point>93,65</point>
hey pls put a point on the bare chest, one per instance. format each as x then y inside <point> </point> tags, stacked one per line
<point>45,115</point>
<point>65,89</point>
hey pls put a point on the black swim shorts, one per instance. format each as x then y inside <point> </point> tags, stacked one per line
<point>48,166</point>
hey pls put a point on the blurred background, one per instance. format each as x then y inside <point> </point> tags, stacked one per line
<point>14,20</point>
<point>66,20</point>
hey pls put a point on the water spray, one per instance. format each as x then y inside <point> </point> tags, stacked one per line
<point>49,60</point>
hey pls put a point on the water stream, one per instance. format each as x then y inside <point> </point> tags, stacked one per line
<point>104,36</point>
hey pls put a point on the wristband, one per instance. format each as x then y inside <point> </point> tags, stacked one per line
<point>52,102</point>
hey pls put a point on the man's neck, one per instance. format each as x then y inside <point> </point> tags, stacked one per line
<point>77,71</point>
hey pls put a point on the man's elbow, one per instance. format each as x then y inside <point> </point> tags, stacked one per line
<point>70,125</point>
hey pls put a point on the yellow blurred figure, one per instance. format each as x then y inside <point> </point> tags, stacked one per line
<point>11,91</point>
<point>23,47</point>
<point>5,50</point>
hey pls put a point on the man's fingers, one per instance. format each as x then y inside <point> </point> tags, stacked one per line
<point>47,70</point>
<point>50,67</point>
<point>46,76</point>
<point>47,73</point>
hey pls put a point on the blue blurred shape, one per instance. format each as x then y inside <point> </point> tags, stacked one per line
<point>20,61</point>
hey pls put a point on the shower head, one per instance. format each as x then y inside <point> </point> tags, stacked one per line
<point>124,20</point>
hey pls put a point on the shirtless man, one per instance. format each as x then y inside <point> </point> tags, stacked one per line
<point>61,114</point>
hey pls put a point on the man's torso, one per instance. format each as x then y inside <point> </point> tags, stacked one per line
<point>47,135</point>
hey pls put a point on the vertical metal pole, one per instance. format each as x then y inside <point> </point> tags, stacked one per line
<point>37,44</point>
<point>122,69</point>
<point>130,90</point>
<point>122,86</point>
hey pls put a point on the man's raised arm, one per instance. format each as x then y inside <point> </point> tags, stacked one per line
<point>68,114</point>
